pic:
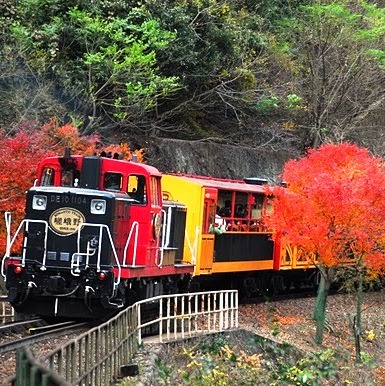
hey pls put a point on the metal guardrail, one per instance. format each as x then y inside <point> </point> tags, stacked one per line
<point>7,312</point>
<point>32,373</point>
<point>187,315</point>
<point>98,356</point>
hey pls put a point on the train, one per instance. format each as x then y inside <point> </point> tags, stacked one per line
<point>101,233</point>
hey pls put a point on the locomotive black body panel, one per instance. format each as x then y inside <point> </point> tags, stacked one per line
<point>176,216</point>
<point>67,243</point>
<point>66,209</point>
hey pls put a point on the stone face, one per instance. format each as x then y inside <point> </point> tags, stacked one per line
<point>210,159</point>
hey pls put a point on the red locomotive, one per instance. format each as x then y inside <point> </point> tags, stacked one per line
<point>100,233</point>
<point>92,239</point>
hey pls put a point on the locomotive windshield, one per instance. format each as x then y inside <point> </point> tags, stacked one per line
<point>47,177</point>
<point>70,178</point>
<point>113,181</point>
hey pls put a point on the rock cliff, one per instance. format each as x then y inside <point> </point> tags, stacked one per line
<point>210,159</point>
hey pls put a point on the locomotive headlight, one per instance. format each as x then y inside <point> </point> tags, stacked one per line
<point>39,202</point>
<point>98,206</point>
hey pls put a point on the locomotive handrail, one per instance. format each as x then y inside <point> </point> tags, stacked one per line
<point>101,227</point>
<point>166,234</point>
<point>135,225</point>
<point>75,271</point>
<point>10,241</point>
<point>165,225</point>
<point>8,219</point>
<point>7,216</point>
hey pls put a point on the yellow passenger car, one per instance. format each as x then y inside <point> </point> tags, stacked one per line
<point>224,232</point>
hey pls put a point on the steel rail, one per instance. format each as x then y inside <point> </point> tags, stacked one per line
<point>21,324</point>
<point>49,327</point>
<point>13,345</point>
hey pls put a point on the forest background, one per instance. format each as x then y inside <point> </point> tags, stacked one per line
<point>273,76</point>
<point>202,85</point>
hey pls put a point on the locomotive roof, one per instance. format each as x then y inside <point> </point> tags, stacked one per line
<point>223,184</point>
<point>110,163</point>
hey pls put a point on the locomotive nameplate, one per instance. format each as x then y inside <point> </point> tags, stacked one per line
<point>66,221</point>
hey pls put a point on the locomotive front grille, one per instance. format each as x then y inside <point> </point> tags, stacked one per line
<point>59,256</point>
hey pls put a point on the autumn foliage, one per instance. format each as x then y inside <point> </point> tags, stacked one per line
<point>334,206</point>
<point>21,153</point>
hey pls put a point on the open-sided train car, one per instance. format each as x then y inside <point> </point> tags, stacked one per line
<point>226,239</point>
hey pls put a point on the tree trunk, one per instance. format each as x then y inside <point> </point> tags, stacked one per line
<point>320,304</point>
<point>357,328</point>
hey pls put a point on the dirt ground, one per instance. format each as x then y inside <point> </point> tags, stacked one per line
<point>291,321</point>
<point>274,342</point>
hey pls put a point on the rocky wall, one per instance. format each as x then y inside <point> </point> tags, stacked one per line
<point>207,158</point>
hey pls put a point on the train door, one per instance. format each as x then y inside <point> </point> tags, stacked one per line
<point>208,235</point>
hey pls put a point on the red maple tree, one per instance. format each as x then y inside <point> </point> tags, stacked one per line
<point>21,153</point>
<point>333,208</point>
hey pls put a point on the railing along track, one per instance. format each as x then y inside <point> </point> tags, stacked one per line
<point>7,312</point>
<point>99,356</point>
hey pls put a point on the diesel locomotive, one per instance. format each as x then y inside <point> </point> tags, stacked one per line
<point>100,233</point>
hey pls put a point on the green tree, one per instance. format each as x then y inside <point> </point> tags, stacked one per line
<point>104,66</point>
<point>334,53</point>
<point>192,69</point>
<point>220,54</point>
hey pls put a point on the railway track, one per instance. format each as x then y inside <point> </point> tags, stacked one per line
<point>19,326</point>
<point>36,334</point>
<point>41,338</point>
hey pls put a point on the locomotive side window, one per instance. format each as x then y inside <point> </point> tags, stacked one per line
<point>47,177</point>
<point>136,188</point>
<point>113,181</point>
<point>155,191</point>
